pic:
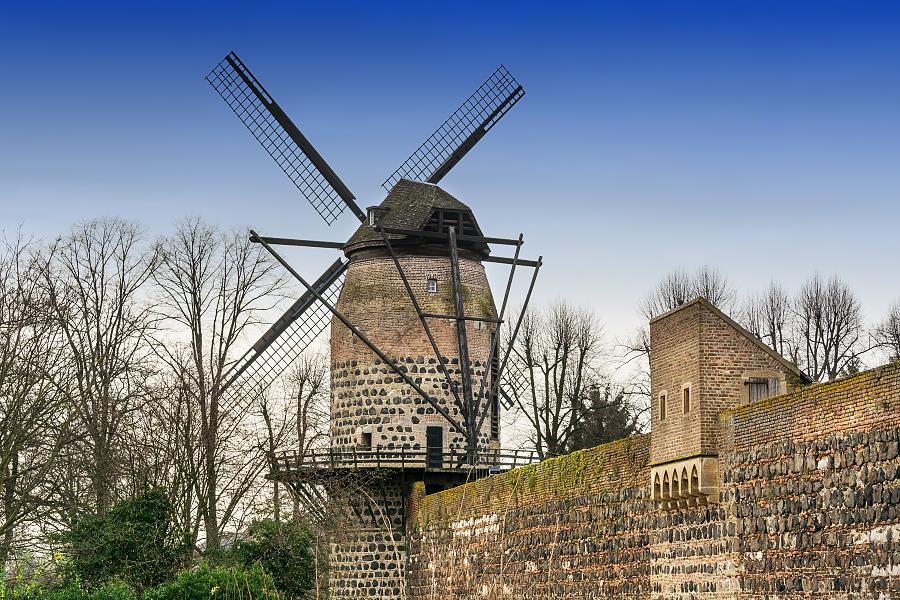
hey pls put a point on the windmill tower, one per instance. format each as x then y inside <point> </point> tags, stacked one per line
<point>417,361</point>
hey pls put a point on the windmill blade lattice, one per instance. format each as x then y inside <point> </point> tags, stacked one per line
<point>284,142</point>
<point>281,346</point>
<point>513,382</point>
<point>459,133</point>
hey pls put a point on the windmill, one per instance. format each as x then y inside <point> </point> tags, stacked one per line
<point>314,178</point>
<point>416,358</point>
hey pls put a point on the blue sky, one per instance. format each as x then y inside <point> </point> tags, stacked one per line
<point>760,137</point>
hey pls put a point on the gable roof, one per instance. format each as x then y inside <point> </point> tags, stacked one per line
<point>736,326</point>
<point>408,205</point>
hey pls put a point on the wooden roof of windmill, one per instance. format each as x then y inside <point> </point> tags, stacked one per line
<point>418,206</point>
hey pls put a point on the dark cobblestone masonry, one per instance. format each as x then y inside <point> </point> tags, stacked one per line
<point>809,507</point>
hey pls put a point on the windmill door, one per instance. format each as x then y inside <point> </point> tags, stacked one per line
<point>434,441</point>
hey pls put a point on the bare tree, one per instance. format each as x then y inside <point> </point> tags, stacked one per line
<point>887,333</point>
<point>95,277</point>
<point>558,353</point>
<point>33,412</point>
<point>829,327</point>
<point>300,420</point>
<point>712,285</point>
<point>306,384</point>
<point>678,287</point>
<point>213,287</point>
<point>768,316</point>
<point>274,438</point>
<point>161,450</point>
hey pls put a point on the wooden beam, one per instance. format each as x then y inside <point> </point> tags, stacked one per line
<point>509,261</point>
<point>436,235</point>
<point>276,241</point>
<point>469,415</point>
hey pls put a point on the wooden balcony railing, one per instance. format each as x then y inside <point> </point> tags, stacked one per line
<point>402,458</point>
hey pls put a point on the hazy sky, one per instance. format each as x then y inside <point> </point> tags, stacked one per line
<point>759,137</point>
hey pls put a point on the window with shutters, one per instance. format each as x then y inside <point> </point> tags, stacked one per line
<point>760,388</point>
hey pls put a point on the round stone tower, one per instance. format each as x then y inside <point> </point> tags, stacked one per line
<point>371,407</point>
<point>374,412</point>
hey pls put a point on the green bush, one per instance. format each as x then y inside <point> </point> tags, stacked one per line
<point>135,542</point>
<point>217,583</point>
<point>285,550</point>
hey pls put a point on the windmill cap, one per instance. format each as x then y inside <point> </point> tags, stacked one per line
<point>416,206</point>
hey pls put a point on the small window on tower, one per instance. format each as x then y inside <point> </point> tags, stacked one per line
<point>365,441</point>
<point>662,407</point>
<point>759,388</point>
<point>432,286</point>
<point>686,400</point>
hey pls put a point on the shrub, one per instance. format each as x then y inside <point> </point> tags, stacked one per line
<point>135,542</point>
<point>218,583</point>
<point>285,550</point>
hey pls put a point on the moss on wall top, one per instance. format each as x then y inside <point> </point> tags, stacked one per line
<point>609,467</point>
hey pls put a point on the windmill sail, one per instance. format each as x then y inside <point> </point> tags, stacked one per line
<point>284,142</point>
<point>461,131</point>
<point>288,337</point>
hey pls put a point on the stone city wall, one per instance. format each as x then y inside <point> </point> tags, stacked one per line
<point>569,527</point>
<point>809,507</point>
<point>812,490</point>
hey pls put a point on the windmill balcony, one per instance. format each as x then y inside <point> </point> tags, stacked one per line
<point>429,460</point>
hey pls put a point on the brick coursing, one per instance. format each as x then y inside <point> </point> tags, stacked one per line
<point>675,360</point>
<point>812,479</point>
<point>695,346</point>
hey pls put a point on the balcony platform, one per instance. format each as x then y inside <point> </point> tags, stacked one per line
<point>324,463</point>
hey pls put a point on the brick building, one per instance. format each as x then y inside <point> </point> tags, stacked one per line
<point>701,363</point>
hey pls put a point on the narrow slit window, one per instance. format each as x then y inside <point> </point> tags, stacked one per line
<point>686,400</point>
<point>662,407</point>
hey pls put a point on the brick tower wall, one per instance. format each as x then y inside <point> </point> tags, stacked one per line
<point>674,361</point>
<point>696,347</point>
<point>366,393</point>
<point>727,360</point>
